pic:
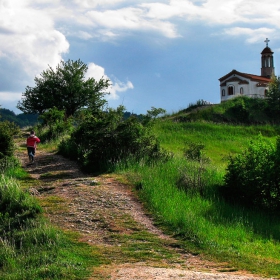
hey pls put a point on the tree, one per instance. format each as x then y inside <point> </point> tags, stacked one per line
<point>155,112</point>
<point>65,88</point>
<point>273,96</point>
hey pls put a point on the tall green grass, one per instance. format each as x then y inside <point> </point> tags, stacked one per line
<point>245,238</point>
<point>220,140</point>
<point>31,248</point>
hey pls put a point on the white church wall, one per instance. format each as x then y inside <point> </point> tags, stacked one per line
<point>250,88</point>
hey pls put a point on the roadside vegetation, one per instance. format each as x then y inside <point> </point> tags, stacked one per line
<point>209,174</point>
<point>30,247</point>
<point>187,198</point>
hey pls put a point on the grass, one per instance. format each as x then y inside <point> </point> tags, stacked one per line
<point>57,256</point>
<point>204,224</point>
<point>208,225</point>
<point>30,247</point>
<point>220,140</point>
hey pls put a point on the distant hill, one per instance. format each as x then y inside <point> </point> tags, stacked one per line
<point>21,120</point>
<point>240,110</point>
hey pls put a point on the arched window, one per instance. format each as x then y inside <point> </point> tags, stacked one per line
<point>241,90</point>
<point>223,92</point>
<point>265,92</point>
<point>230,90</point>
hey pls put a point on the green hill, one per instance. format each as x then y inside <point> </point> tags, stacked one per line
<point>21,120</point>
<point>241,110</point>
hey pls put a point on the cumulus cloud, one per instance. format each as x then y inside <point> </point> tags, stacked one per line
<point>119,87</point>
<point>163,16</point>
<point>30,37</point>
<point>97,72</point>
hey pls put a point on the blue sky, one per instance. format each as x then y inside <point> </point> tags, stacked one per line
<point>164,54</point>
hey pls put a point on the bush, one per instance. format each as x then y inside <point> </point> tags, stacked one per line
<point>104,139</point>
<point>194,151</point>
<point>253,177</point>
<point>194,179</point>
<point>53,125</point>
<point>7,132</point>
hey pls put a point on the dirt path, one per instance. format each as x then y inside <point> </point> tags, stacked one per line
<point>107,215</point>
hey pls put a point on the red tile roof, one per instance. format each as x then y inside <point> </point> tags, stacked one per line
<point>245,75</point>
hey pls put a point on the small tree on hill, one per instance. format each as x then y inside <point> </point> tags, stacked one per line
<point>65,88</point>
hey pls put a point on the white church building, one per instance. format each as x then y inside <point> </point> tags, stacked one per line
<point>237,83</point>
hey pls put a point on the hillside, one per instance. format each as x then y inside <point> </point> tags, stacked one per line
<point>160,218</point>
<point>106,214</point>
<point>22,120</point>
<point>240,110</point>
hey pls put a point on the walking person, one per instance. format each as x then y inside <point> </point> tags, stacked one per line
<point>31,144</point>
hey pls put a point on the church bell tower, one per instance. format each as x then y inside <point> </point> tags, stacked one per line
<point>267,69</point>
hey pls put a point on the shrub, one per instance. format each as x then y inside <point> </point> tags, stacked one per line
<point>53,125</point>
<point>7,132</point>
<point>253,177</point>
<point>194,151</point>
<point>104,139</point>
<point>193,180</point>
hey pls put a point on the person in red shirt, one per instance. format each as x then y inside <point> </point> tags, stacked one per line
<point>31,144</point>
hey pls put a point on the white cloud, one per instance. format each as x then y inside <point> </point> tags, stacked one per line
<point>95,71</point>
<point>130,19</point>
<point>119,87</point>
<point>98,72</point>
<point>253,35</point>
<point>30,37</point>
<point>97,3</point>
<point>217,12</point>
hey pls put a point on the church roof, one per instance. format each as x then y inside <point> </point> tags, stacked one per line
<point>252,77</point>
<point>267,50</point>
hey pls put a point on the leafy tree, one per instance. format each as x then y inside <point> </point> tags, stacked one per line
<point>154,112</point>
<point>273,96</point>
<point>65,88</point>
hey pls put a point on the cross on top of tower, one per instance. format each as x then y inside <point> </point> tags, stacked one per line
<point>266,41</point>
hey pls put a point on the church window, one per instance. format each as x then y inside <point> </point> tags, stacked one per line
<point>241,90</point>
<point>230,90</point>
<point>223,92</point>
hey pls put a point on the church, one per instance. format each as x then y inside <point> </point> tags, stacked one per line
<point>237,83</point>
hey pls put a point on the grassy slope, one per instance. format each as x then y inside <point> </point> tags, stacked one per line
<point>246,239</point>
<point>207,225</point>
